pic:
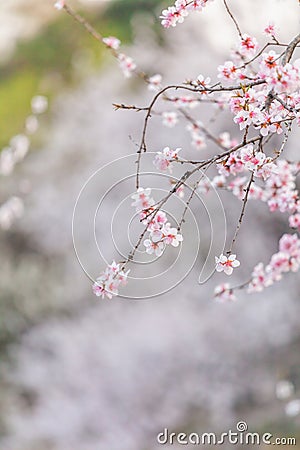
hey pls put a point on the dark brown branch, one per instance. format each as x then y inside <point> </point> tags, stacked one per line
<point>290,50</point>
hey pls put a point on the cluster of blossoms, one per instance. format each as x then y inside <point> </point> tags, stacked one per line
<point>247,159</point>
<point>19,145</point>
<point>224,293</point>
<point>286,260</point>
<point>278,177</point>
<point>126,63</point>
<point>112,42</point>
<point>13,154</point>
<point>177,13</point>
<point>261,90</point>
<point>163,160</point>
<point>109,281</point>
<point>159,230</point>
<point>268,97</point>
<point>154,82</point>
<point>269,103</point>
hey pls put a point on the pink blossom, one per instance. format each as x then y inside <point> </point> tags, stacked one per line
<point>237,186</point>
<point>180,191</point>
<point>294,221</point>
<point>170,119</point>
<point>204,82</point>
<point>226,141</point>
<point>271,29</point>
<point>252,159</point>
<point>228,71</point>
<point>127,65</point>
<point>226,264</point>
<point>224,293</point>
<point>290,243</point>
<point>266,170</point>
<point>186,101</point>
<point>198,141</point>
<point>269,62</point>
<point>248,45</point>
<point>162,160</point>
<point>177,13</point>
<point>219,181</point>
<point>286,260</point>
<point>154,82</point>
<point>260,279</point>
<point>112,42</point>
<point>142,199</point>
<point>109,281</point>
<point>232,165</point>
<point>170,236</point>
<point>154,247</point>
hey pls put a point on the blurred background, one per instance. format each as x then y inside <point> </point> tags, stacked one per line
<point>78,373</point>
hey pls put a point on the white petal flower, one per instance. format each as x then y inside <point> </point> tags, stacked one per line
<point>226,264</point>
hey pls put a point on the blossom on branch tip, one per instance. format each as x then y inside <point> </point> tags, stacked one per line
<point>198,141</point>
<point>127,65</point>
<point>224,293</point>
<point>251,159</point>
<point>160,236</point>
<point>226,264</point>
<point>112,42</point>
<point>271,29</point>
<point>177,13</point>
<point>259,279</point>
<point>170,236</point>
<point>109,281</point>
<point>154,247</point>
<point>163,160</point>
<point>154,82</point>
<point>170,119</point>
<point>287,259</point>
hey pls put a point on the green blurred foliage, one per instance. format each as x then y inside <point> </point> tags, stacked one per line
<point>50,54</point>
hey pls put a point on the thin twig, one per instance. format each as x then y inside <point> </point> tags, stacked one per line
<point>233,19</point>
<point>245,200</point>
